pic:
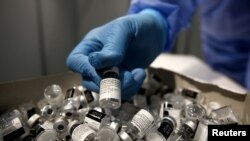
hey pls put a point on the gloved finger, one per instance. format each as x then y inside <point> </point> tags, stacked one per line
<point>115,43</point>
<point>90,85</point>
<point>132,82</point>
<point>78,61</point>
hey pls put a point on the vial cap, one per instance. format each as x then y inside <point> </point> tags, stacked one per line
<point>48,111</point>
<point>124,136</point>
<point>115,125</point>
<point>191,124</point>
<point>170,118</point>
<point>33,120</point>
<point>71,125</point>
<point>112,69</point>
<point>60,124</point>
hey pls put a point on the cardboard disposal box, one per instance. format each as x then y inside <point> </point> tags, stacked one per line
<point>190,72</point>
<point>13,94</point>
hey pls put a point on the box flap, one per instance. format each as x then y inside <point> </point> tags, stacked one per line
<point>196,69</point>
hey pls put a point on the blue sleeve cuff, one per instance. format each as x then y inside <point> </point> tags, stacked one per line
<point>177,14</point>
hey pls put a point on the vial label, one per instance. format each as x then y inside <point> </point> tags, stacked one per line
<point>201,132</point>
<point>142,121</point>
<point>70,93</point>
<point>166,128</point>
<point>110,89</point>
<point>81,132</point>
<point>94,118</point>
<point>89,96</point>
<point>47,125</point>
<point>189,93</point>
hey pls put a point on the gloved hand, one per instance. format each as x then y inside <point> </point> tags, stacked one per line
<point>131,42</point>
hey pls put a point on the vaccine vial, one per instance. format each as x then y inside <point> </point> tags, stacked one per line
<point>124,136</point>
<point>47,135</point>
<point>81,132</point>
<point>49,112</point>
<point>108,131</point>
<point>127,111</point>
<point>91,98</point>
<point>60,124</point>
<point>94,118</point>
<point>167,109</point>
<point>141,123</point>
<point>202,129</point>
<point>11,125</point>
<point>225,115</point>
<point>54,95</point>
<point>70,107</point>
<point>192,94</point>
<point>162,133</point>
<point>177,101</point>
<point>110,89</point>
<point>187,131</point>
<point>195,111</point>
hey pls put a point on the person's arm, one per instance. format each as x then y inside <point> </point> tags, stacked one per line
<point>176,13</point>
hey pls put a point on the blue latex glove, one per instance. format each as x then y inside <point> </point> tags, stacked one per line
<point>131,42</point>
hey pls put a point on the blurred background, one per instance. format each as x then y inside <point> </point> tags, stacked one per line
<point>36,36</point>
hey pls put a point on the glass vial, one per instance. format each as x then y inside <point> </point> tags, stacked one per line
<point>141,123</point>
<point>186,132</point>
<point>108,131</point>
<point>124,136</point>
<point>192,94</point>
<point>94,119</point>
<point>110,89</point>
<point>47,135</point>
<point>81,132</point>
<point>60,124</point>
<point>54,94</point>
<point>162,132</point>
<point>12,125</point>
<point>168,110</point>
<point>195,111</point>
<point>225,115</point>
<point>49,112</point>
<point>70,107</point>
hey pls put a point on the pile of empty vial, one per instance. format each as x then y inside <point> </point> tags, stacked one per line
<point>155,113</point>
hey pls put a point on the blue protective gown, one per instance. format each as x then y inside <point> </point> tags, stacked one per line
<point>225,31</point>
